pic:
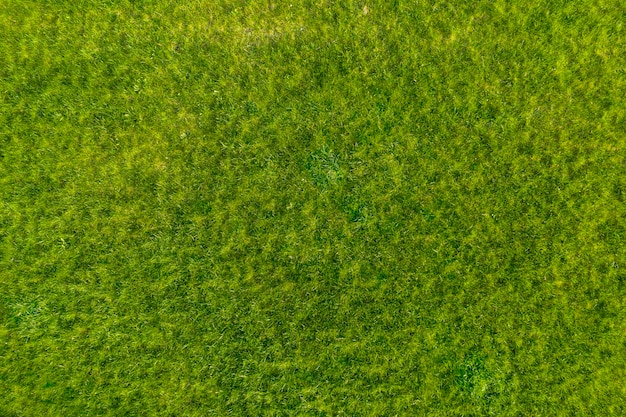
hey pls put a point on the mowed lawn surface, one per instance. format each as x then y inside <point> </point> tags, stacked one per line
<point>312,208</point>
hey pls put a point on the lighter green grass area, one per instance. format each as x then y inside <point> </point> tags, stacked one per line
<point>312,208</point>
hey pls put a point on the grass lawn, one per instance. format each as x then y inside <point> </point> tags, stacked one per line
<point>312,208</point>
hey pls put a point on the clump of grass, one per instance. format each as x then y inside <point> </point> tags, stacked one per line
<point>324,168</point>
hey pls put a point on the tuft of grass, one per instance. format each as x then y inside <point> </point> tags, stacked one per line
<point>241,208</point>
<point>324,168</point>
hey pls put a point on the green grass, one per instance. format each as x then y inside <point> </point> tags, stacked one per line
<point>314,208</point>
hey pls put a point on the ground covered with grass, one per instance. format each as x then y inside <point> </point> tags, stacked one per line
<point>312,207</point>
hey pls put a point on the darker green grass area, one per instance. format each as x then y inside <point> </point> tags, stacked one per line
<point>312,208</point>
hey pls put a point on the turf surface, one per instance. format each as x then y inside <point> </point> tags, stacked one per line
<point>319,208</point>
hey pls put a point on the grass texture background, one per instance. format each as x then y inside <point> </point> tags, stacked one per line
<point>312,208</point>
